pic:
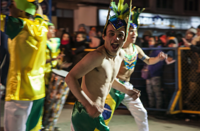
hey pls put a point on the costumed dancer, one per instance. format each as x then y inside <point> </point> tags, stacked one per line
<point>25,90</point>
<point>99,70</point>
<point>56,88</point>
<point>115,97</point>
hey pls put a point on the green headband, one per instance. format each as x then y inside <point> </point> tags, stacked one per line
<point>26,6</point>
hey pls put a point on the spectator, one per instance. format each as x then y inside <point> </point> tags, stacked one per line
<point>169,77</point>
<point>99,35</point>
<point>171,44</point>
<point>153,82</point>
<point>65,47</point>
<point>94,41</point>
<point>83,28</point>
<point>195,68</point>
<point>80,44</point>
<point>146,36</point>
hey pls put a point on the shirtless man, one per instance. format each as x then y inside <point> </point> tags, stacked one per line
<point>115,97</point>
<point>99,70</point>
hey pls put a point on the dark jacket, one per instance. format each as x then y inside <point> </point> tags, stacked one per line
<point>169,73</point>
<point>156,69</point>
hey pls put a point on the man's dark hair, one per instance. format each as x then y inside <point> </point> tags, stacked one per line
<point>104,33</point>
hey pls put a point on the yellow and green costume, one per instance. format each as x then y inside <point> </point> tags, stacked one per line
<point>52,51</point>
<point>26,46</point>
<point>81,121</point>
<point>115,97</point>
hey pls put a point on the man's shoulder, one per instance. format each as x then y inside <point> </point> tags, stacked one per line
<point>96,55</point>
<point>121,53</point>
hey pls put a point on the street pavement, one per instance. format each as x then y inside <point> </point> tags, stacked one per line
<point>123,121</point>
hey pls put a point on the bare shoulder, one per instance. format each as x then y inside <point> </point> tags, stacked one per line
<point>138,48</point>
<point>121,53</point>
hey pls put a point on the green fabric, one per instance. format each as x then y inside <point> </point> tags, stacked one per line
<point>37,16</point>
<point>35,114</point>
<point>26,6</point>
<point>13,26</point>
<point>118,96</point>
<point>83,122</point>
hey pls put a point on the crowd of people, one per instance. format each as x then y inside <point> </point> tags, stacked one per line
<point>35,94</point>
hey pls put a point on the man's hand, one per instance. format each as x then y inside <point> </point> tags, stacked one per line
<point>93,110</point>
<point>162,56</point>
<point>134,93</point>
<point>186,43</point>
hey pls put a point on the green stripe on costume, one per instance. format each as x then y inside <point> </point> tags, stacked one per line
<point>34,121</point>
<point>13,26</point>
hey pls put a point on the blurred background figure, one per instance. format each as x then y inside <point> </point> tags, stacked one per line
<point>94,40</point>
<point>66,44</point>
<point>80,44</point>
<point>168,77</point>
<point>153,82</point>
<point>145,38</point>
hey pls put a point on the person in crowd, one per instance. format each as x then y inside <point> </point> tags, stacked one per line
<point>66,45</point>
<point>99,35</point>
<point>80,44</point>
<point>145,38</point>
<point>25,89</point>
<point>153,82</point>
<point>194,68</point>
<point>170,35</point>
<point>190,34</point>
<point>52,52</point>
<point>94,40</point>
<point>99,70</point>
<point>115,97</point>
<point>172,44</point>
<point>168,77</point>
<point>83,28</point>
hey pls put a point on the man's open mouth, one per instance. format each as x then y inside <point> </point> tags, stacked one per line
<point>133,37</point>
<point>115,46</point>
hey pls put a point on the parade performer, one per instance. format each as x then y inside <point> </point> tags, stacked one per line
<point>56,88</point>
<point>99,70</point>
<point>115,97</point>
<point>25,90</point>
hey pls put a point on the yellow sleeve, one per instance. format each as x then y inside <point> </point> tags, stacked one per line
<point>3,21</point>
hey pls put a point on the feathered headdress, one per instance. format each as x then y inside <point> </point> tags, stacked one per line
<point>134,18</point>
<point>121,17</point>
<point>45,17</point>
<point>27,5</point>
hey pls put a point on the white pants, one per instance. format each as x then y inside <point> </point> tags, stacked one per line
<point>16,114</point>
<point>137,110</point>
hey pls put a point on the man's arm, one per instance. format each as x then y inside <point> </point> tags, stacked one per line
<point>119,86</point>
<point>88,63</point>
<point>150,60</point>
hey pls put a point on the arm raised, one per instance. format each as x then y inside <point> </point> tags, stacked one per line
<point>150,60</point>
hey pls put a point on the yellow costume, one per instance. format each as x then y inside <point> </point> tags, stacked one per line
<point>27,58</point>
<point>52,51</point>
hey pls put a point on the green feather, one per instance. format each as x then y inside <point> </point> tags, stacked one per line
<point>114,7</point>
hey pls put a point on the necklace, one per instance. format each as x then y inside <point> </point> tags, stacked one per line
<point>130,60</point>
